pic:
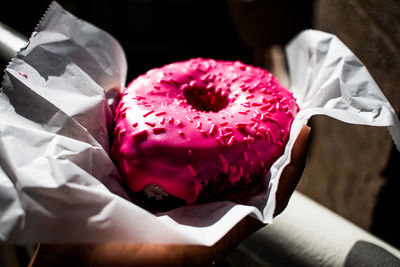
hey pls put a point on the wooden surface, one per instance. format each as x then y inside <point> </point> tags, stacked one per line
<point>348,165</point>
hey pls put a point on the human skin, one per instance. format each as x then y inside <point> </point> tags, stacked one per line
<point>134,254</point>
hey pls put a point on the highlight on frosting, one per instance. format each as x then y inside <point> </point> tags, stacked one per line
<point>190,124</point>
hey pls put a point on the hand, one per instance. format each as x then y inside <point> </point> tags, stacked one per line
<point>126,254</point>
<point>292,173</point>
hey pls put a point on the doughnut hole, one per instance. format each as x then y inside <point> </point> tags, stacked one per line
<point>202,99</point>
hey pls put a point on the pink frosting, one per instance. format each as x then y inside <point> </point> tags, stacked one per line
<point>183,125</point>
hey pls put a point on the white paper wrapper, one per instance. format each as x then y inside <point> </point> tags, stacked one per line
<point>57,181</point>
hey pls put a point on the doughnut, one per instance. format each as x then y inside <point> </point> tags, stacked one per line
<point>200,126</point>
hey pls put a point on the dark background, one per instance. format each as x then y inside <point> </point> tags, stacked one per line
<point>154,33</point>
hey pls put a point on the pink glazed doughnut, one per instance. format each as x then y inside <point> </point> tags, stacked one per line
<point>201,124</point>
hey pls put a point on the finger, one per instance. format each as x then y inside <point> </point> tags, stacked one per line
<point>293,171</point>
<point>300,146</point>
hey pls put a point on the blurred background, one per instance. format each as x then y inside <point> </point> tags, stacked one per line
<point>154,33</point>
<point>352,170</point>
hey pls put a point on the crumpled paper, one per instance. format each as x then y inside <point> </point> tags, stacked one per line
<point>57,181</point>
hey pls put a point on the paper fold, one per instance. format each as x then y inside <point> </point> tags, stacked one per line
<point>57,181</point>
<point>329,79</point>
